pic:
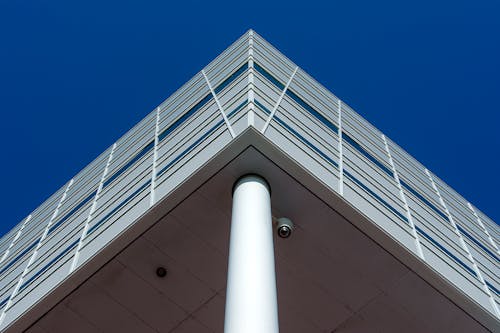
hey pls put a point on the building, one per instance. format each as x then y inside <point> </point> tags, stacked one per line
<point>138,241</point>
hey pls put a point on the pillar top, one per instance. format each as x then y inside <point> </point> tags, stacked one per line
<point>253,176</point>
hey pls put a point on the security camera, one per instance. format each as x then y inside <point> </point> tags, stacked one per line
<point>284,227</point>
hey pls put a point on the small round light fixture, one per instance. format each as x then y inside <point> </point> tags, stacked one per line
<point>284,232</point>
<point>284,227</point>
<point>161,272</point>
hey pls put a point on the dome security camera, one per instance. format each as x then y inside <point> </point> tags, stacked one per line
<point>284,227</point>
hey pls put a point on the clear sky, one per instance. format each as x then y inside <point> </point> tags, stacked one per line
<point>75,76</point>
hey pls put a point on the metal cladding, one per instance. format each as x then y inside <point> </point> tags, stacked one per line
<point>250,85</point>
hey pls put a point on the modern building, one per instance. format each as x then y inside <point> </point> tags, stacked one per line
<point>140,239</point>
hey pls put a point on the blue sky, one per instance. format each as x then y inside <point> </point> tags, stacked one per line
<point>74,77</point>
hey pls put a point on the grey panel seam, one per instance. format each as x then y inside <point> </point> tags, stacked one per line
<point>18,234</point>
<point>403,198</point>
<point>92,209</point>
<point>155,159</point>
<point>341,152</point>
<point>464,246</point>
<point>492,241</point>
<point>251,97</point>
<point>35,252</point>
<point>278,102</point>
<point>221,110</point>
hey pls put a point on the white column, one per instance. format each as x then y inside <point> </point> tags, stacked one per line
<point>251,302</point>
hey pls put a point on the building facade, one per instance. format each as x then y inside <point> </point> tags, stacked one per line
<point>251,96</point>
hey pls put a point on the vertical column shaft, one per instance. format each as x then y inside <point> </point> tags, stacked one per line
<point>251,302</point>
